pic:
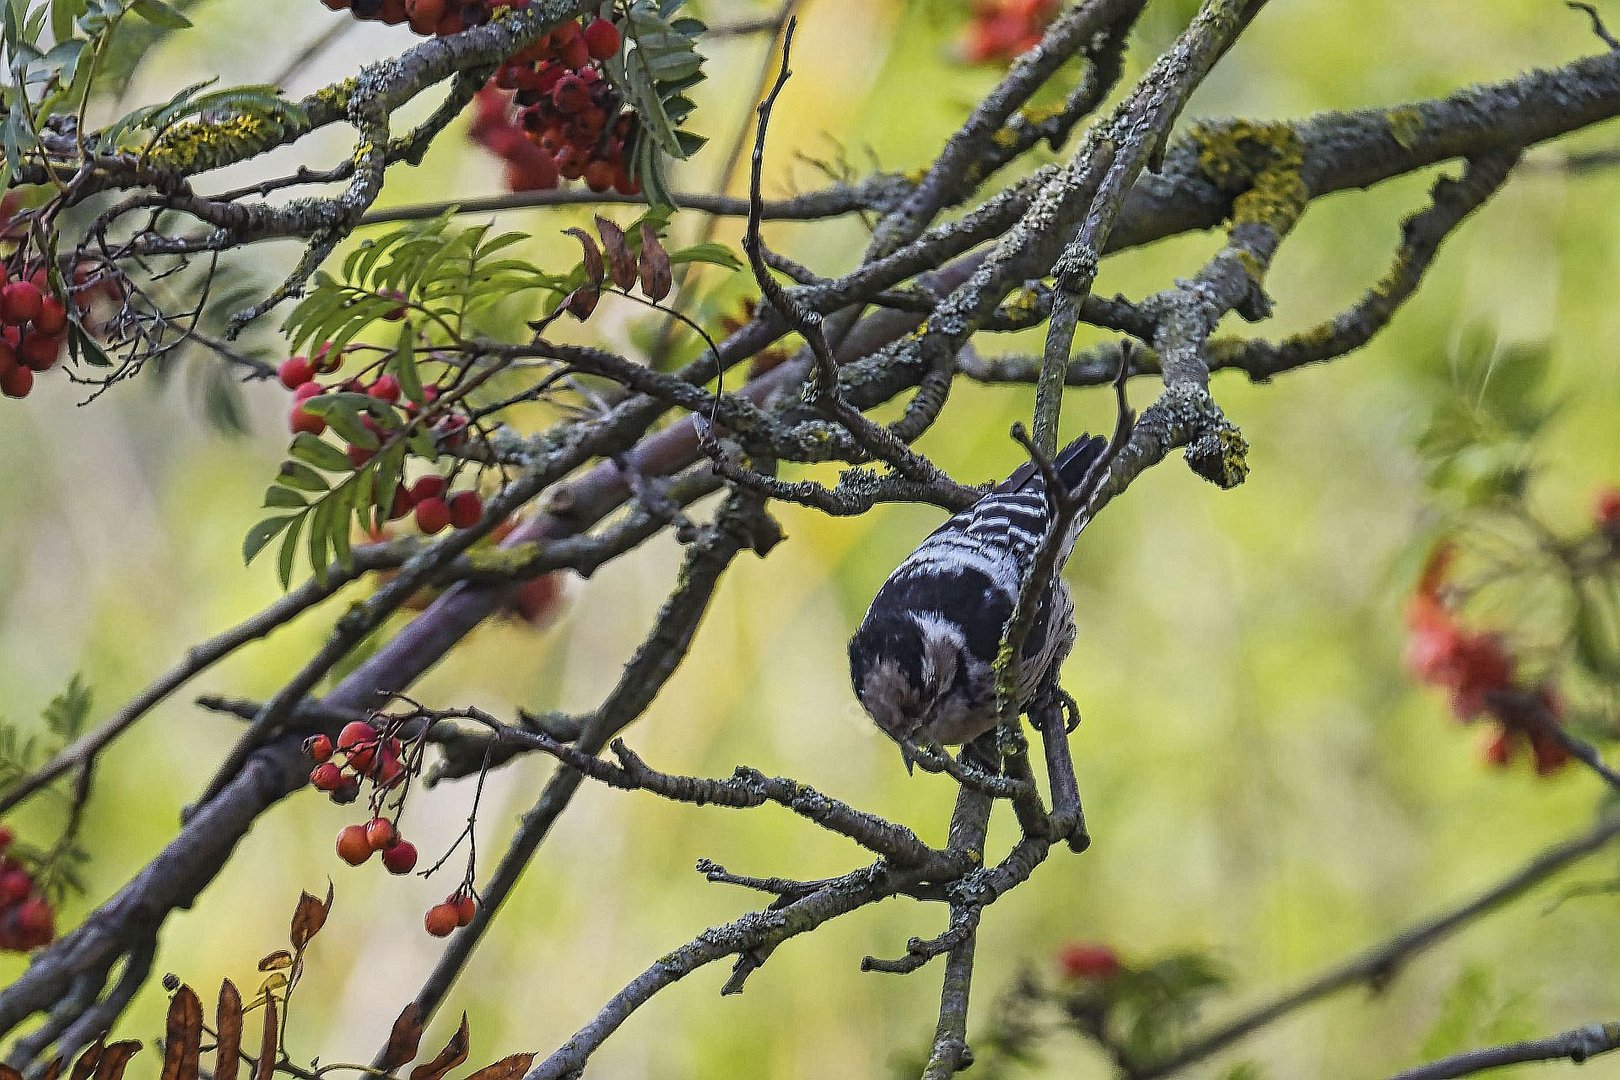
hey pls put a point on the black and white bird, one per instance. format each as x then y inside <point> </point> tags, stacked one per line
<point>923,660</point>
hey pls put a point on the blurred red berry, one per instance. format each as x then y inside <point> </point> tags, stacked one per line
<point>20,302</point>
<point>52,317</point>
<point>431,486</point>
<point>432,515</point>
<point>1087,960</point>
<point>386,388</point>
<point>301,420</point>
<point>601,38</point>
<point>295,372</point>
<point>466,508</point>
<point>16,382</point>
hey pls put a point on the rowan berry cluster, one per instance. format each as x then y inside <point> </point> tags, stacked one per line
<point>1480,674</point>
<point>435,507</point>
<point>551,114</point>
<point>426,17</point>
<point>26,918</point>
<point>1002,30</point>
<point>457,909</point>
<point>366,755</point>
<point>32,325</point>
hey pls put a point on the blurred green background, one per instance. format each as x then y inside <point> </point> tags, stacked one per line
<point>1261,778</point>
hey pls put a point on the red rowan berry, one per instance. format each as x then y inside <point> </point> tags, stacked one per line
<point>326,776</point>
<point>386,388</point>
<point>400,857</point>
<point>601,38</point>
<point>295,372</point>
<point>354,733</point>
<point>302,420</point>
<point>20,301</point>
<point>325,360</point>
<point>36,925</point>
<point>432,515</point>
<point>381,834</point>
<point>402,505</point>
<point>307,390</point>
<point>465,509</point>
<point>52,317</point>
<point>431,486</point>
<point>599,175</point>
<point>536,599</point>
<point>440,920</point>
<point>576,54</point>
<point>7,837</point>
<point>17,382</point>
<point>15,885</point>
<point>466,907</point>
<point>352,845</point>
<point>571,94</point>
<point>39,351</point>
<point>319,747</point>
<point>359,455</point>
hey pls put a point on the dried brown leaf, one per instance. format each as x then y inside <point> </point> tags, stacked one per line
<point>229,1025</point>
<point>265,1067</point>
<point>582,301</point>
<point>309,917</point>
<point>8,1073</point>
<point>595,273</point>
<point>276,961</point>
<point>621,264</point>
<point>453,1054</point>
<point>115,1059</point>
<point>655,274</point>
<point>182,1036</point>
<point>54,1069</point>
<point>404,1039</point>
<point>85,1067</point>
<point>508,1068</point>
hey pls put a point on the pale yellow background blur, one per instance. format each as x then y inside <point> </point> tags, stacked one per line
<point>1261,778</point>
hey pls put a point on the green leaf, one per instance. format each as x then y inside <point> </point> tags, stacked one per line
<point>1597,631</point>
<point>323,455</point>
<point>262,533</point>
<point>711,253</point>
<point>67,712</point>
<point>403,365</point>
<point>289,551</point>
<point>282,498</point>
<point>158,13</point>
<point>298,475</point>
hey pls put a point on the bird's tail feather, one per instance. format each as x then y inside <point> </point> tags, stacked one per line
<point>1076,459</point>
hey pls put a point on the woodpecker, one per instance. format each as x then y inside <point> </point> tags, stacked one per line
<point>923,661</point>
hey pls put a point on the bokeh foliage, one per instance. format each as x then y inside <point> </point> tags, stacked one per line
<point>1262,779</point>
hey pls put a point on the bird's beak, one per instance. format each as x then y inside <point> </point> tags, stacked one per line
<point>908,754</point>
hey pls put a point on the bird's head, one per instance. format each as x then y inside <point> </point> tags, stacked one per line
<point>903,667</point>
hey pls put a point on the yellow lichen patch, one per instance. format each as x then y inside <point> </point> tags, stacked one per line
<point>336,96</point>
<point>1038,114</point>
<point>494,560</point>
<point>1233,154</point>
<point>194,145</point>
